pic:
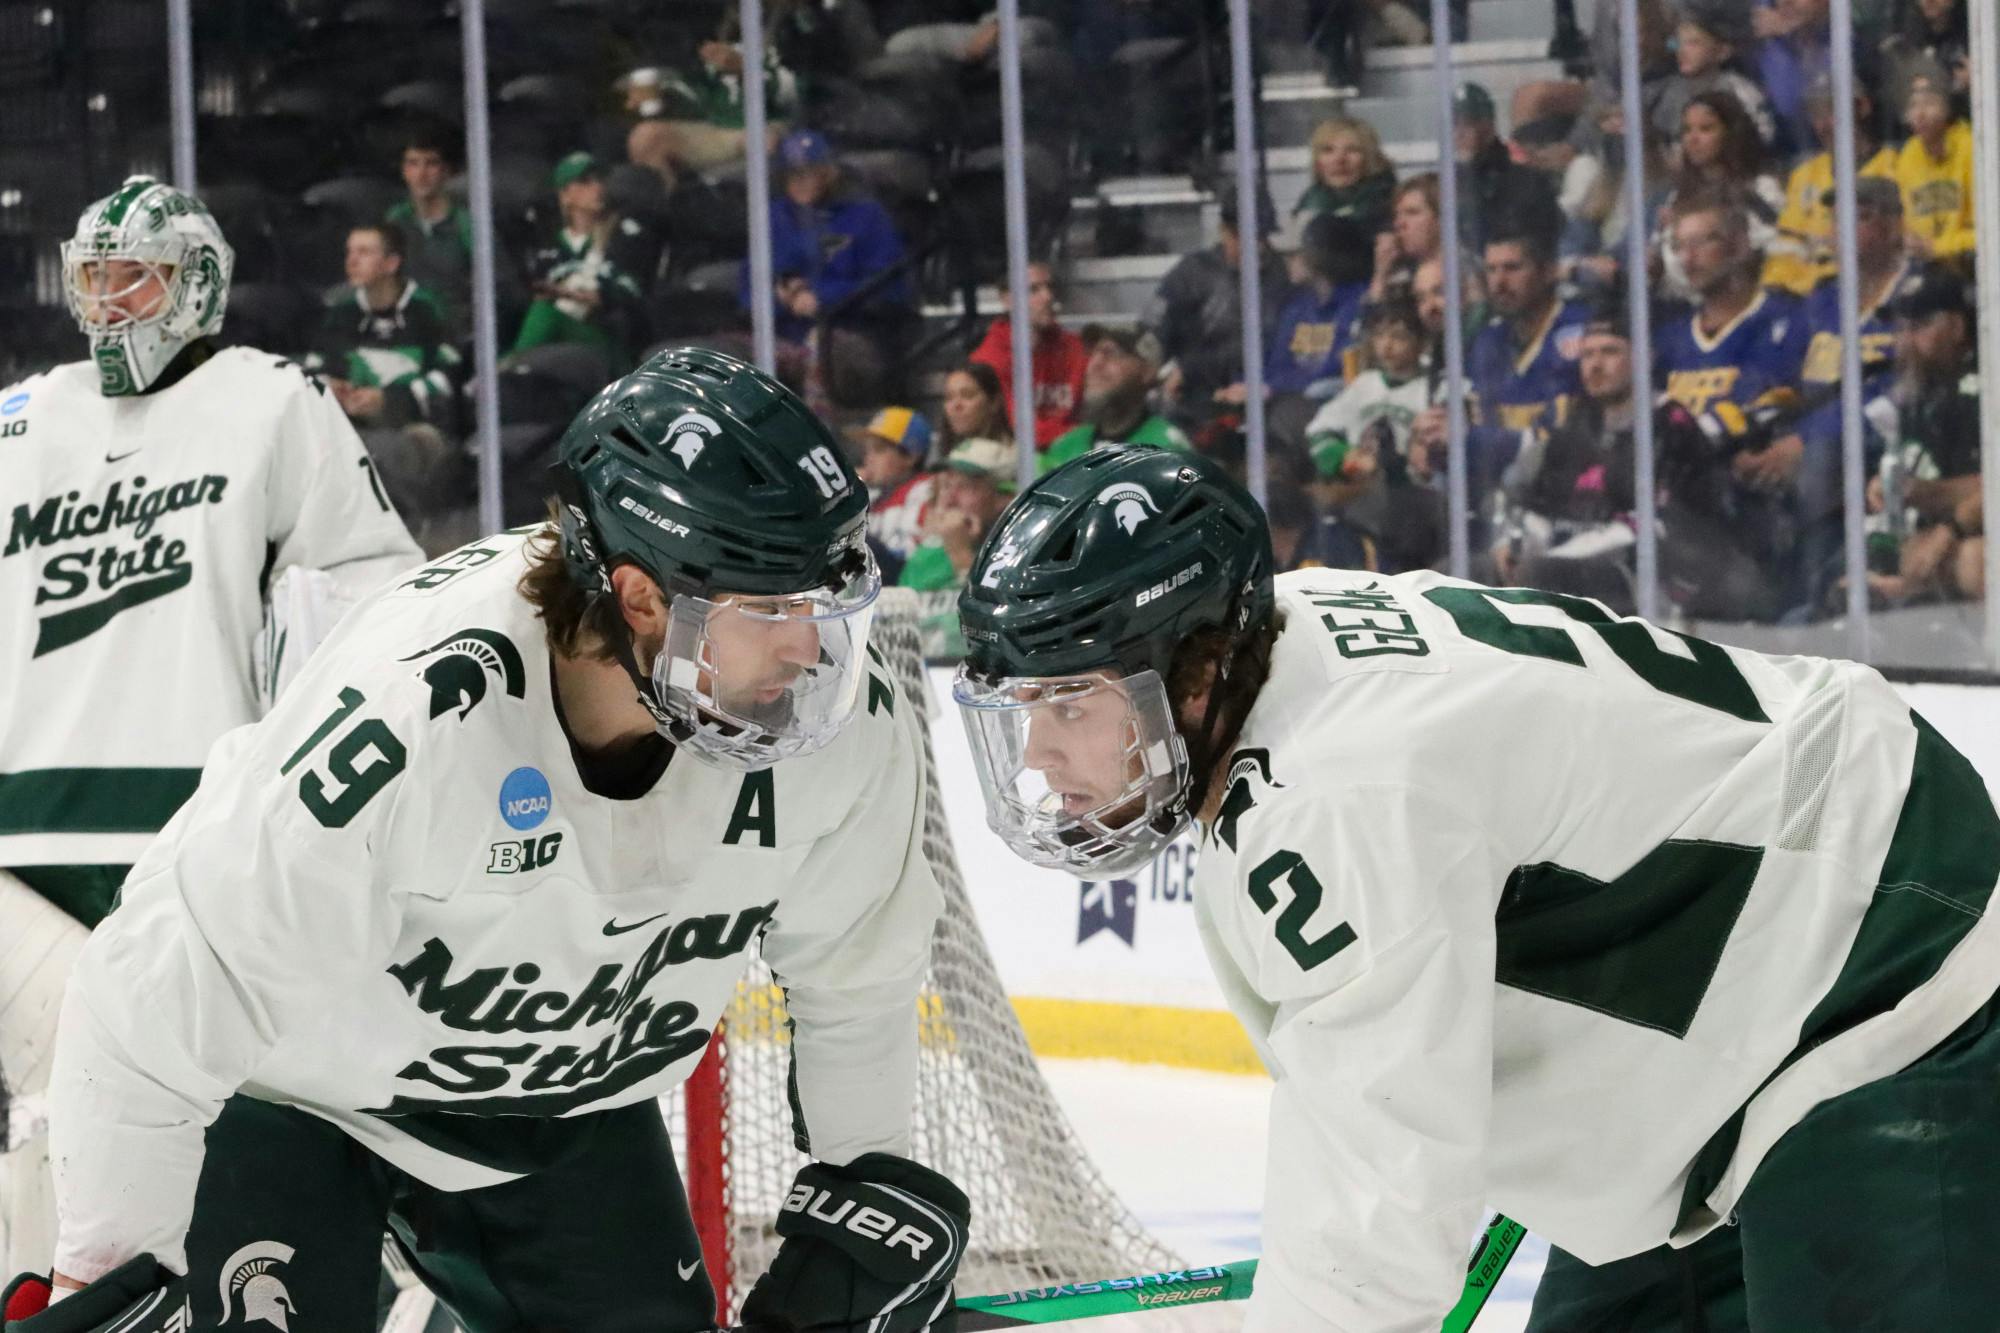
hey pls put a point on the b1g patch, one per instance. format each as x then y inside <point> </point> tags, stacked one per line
<point>525,798</point>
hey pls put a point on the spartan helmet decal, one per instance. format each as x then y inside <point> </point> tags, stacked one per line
<point>460,664</point>
<point>689,433</point>
<point>1131,506</point>
<point>250,1274</point>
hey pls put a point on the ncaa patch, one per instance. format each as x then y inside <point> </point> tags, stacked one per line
<point>13,405</point>
<point>525,798</point>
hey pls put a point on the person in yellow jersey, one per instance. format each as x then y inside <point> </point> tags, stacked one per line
<point>1805,226</point>
<point>1935,170</point>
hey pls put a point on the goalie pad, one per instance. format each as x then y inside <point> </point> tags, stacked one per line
<point>301,610</point>
<point>38,946</point>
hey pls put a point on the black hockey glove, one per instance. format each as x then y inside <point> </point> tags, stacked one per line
<point>877,1239</point>
<point>138,1296</point>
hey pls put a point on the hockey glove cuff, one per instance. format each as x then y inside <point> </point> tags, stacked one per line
<point>138,1296</point>
<point>876,1240</point>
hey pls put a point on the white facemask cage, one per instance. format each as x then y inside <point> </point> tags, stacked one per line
<point>808,663</point>
<point>1042,746</point>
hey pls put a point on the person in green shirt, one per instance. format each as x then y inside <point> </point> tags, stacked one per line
<point>977,482</point>
<point>1117,382</point>
<point>437,231</point>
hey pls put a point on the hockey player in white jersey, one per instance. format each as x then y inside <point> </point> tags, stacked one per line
<point>1679,955</point>
<point>430,940</point>
<point>150,496</point>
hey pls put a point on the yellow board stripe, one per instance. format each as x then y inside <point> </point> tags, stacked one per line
<point>1138,1033</point>
<point>1145,1034</point>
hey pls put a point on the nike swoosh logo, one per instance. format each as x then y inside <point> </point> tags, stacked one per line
<point>613,928</point>
<point>119,458</point>
<point>687,1270</point>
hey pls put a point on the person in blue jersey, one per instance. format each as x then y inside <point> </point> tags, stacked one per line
<point>1522,363</point>
<point>1737,354</point>
<point>1882,263</point>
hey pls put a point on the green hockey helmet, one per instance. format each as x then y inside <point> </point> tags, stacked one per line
<point>1072,613</point>
<point>720,484</point>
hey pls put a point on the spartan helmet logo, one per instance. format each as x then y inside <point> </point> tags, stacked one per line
<point>249,1274</point>
<point>1131,506</point>
<point>1008,556</point>
<point>689,435</point>
<point>460,664</point>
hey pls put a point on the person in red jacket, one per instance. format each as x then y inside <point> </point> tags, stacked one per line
<point>1059,359</point>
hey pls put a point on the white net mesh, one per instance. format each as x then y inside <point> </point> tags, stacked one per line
<point>1041,1212</point>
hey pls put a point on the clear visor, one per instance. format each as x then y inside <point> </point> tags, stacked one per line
<point>126,288</point>
<point>750,680</point>
<point>1082,773</point>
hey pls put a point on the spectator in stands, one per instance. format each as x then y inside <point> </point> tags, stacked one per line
<point>977,481</point>
<point>1594,233</point>
<point>1304,538</point>
<point>1569,495</point>
<point>1058,358</point>
<point>692,120</point>
<point>1343,29</point>
<point>1720,152</point>
<point>1490,180</point>
<point>437,230</point>
<point>1360,445</point>
<point>1816,436</point>
<point>829,241</point>
<point>975,405</point>
<point>1522,365</point>
<point>389,361</point>
<point>1742,343</point>
<point>1934,34</point>
<point>1930,480</point>
<point>1711,37</point>
<point>1117,383</point>
<point>1935,171</point>
<point>588,279</point>
<point>1351,178</point>
<point>1796,49</point>
<point>1198,312</point>
<point>1141,67</point>
<point>1415,234</point>
<point>1806,224</point>
<point>894,446</point>
<point>1737,357</point>
<point>1306,359</point>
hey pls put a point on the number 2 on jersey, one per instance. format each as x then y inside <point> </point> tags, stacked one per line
<point>358,765</point>
<point>1706,676</point>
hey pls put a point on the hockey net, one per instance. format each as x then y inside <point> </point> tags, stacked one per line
<point>1041,1211</point>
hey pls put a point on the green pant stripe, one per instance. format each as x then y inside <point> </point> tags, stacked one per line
<point>1935,882</point>
<point>93,800</point>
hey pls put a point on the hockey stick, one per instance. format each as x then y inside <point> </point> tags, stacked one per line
<point>1199,1286</point>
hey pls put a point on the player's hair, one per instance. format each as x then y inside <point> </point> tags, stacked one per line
<point>391,234</point>
<point>1195,664</point>
<point>579,622</point>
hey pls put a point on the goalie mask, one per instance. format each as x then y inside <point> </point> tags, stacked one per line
<point>1072,613</point>
<point>146,273</point>
<point>723,487</point>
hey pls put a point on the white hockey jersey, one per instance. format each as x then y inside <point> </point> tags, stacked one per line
<point>140,532</point>
<point>1530,907</point>
<point>393,904</point>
